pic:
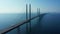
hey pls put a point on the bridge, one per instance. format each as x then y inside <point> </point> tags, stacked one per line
<point>28,20</point>
<point>42,26</point>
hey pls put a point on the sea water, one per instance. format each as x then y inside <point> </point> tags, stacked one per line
<point>49,23</point>
<point>8,20</point>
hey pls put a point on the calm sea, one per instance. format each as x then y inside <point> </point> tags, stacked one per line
<point>7,20</point>
<point>49,23</point>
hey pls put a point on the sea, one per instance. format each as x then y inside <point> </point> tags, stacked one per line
<point>8,20</point>
<point>49,23</point>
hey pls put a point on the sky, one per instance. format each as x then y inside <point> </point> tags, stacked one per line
<point>18,6</point>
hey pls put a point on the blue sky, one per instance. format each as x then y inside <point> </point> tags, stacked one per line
<point>18,6</point>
